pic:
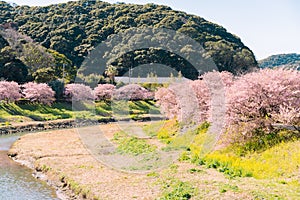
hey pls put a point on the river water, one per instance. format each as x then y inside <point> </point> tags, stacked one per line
<point>16,181</point>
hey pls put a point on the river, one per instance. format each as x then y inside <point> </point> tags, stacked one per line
<point>16,181</point>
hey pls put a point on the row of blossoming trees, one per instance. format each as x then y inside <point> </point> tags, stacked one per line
<point>249,103</point>
<point>44,94</point>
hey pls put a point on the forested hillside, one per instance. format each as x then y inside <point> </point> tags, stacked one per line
<point>75,28</point>
<point>281,60</point>
<point>12,68</point>
<point>23,60</point>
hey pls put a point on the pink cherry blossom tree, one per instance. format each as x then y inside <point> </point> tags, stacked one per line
<point>104,91</point>
<point>192,99</point>
<point>9,91</point>
<point>167,100</point>
<point>258,99</point>
<point>38,92</point>
<point>132,92</point>
<point>78,92</point>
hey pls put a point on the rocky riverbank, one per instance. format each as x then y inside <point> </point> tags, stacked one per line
<point>36,126</point>
<point>48,125</point>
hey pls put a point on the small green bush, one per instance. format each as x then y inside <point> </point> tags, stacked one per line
<point>132,145</point>
<point>178,190</point>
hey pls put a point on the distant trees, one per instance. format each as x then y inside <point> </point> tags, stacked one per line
<point>36,57</point>
<point>11,68</point>
<point>58,86</point>
<point>111,71</point>
<point>63,67</point>
<point>285,60</point>
<point>75,29</point>
<point>46,65</point>
<point>24,60</point>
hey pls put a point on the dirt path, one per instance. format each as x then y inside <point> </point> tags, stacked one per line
<point>69,166</point>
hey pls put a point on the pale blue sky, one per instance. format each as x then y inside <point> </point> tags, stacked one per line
<point>265,26</point>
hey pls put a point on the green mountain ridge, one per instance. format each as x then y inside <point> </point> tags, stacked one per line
<point>77,27</point>
<point>291,60</point>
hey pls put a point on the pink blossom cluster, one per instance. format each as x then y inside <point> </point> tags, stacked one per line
<point>104,91</point>
<point>254,100</point>
<point>192,99</point>
<point>132,92</point>
<point>78,92</point>
<point>258,99</point>
<point>168,102</point>
<point>38,92</point>
<point>9,91</point>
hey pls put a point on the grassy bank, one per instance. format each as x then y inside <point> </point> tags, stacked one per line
<point>271,155</point>
<point>15,113</point>
<point>273,158</point>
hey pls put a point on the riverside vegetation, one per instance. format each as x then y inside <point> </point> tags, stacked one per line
<point>41,50</point>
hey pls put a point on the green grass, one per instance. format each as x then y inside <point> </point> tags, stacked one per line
<point>278,160</point>
<point>37,112</point>
<point>265,141</point>
<point>132,145</point>
<point>177,190</point>
<point>227,187</point>
<point>153,128</point>
<point>163,130</point>
<point>133,109</point>
<point>274,155</point>
<point>168,132</point>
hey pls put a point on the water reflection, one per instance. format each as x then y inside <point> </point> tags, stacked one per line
<point>17,182</point>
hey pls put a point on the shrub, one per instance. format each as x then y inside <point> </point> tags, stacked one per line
<point>38,92</point>
<point>132,92</point>
<point>178,190</point>
<point>104,91</point>
<point>9,91</point>
<point>58,87</point>
<point>78,92</point>
<point>152,86</point>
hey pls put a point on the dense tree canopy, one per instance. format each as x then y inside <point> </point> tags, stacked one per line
<point>75,28</point>
<point>11,68</point>
<point>23,60</point>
